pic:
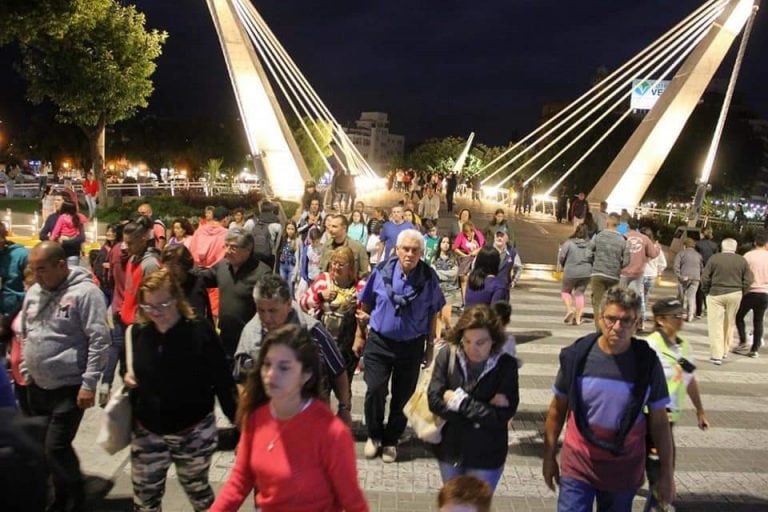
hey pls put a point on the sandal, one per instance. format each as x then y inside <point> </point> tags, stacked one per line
<point>569,317</point>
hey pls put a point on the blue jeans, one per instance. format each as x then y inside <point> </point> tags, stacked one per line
<point>286,272</point>
<point>491,476</point>
<point>116,352</point>
<point>578,496</point>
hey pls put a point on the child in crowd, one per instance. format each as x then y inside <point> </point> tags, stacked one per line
<point>465,494</point>
<point>431,241</point>
<point>357,229</point>
<point>287,255</point>
<point>69,224</point>
<point>374,246</point>
<point>446,266</point>
<point>310,260</point>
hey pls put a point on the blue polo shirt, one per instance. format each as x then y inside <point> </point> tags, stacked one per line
<point>389,233</point>
<point>413,320</point>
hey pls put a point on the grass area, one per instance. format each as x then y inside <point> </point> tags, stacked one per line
<point>21,205</point>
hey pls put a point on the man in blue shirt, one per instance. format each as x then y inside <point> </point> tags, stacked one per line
<point>392,229</point>
<point>400,304</point>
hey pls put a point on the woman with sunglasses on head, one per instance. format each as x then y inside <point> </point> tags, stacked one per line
<point>179,367</point>
<point>294,453</point>
<point>676,358</point>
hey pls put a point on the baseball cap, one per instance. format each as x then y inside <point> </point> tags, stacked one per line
<point>668,306</point>
<point>502,229</point>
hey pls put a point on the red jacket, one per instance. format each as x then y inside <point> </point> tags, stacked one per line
<point>91,187</point>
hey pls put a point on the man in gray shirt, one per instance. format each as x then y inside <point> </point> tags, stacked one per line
<point>66,339</point>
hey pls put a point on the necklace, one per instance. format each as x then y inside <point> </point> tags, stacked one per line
<point>271,444</point>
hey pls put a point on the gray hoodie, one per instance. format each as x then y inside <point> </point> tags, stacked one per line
<point>575,259</point>
<point>609,253</point>
<point>65,333</point>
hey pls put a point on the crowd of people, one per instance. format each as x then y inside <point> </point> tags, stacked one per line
<point>272,316</point>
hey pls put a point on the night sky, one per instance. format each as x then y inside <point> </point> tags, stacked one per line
<point>438,67</point>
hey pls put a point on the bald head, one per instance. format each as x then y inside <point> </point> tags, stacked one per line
<point>49,251</point>
<point>49,265</point>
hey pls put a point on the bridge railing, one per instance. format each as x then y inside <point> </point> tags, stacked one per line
<point>140,189</point>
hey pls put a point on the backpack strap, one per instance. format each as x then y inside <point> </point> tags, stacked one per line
<point>644,359</point>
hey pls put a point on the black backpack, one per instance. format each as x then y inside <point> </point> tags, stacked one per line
<point>262,241</point>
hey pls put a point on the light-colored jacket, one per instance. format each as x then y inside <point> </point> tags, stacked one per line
<point>655,267</point>
<point>65,333</point>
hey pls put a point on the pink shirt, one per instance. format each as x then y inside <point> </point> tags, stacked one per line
<point>758,264</point>
<point>65,227</point>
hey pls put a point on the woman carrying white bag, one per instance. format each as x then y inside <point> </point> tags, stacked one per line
<point>179,367</point>
<point>476,399</point>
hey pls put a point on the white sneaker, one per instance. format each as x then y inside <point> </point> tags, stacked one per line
<point>389,454</point>
<point>371,449</point>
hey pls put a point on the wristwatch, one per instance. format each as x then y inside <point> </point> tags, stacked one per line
<point>343,407</point>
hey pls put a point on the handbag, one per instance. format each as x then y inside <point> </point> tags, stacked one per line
<point>117,421</point>
<point>427,425</point>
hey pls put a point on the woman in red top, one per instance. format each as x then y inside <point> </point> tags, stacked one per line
<point>90,191</point>
<point>288,469</point>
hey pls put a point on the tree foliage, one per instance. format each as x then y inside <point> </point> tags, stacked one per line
<point>92,59</point>
<point>322,134</point>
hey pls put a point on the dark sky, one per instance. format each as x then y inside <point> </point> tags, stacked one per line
<point>438,67</point>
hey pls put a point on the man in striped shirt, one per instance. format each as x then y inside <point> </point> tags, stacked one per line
<point>274,309</point>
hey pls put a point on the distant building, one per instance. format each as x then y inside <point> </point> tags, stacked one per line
<point>371,137</point>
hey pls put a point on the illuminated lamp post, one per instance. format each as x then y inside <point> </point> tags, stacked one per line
<point>702,185</point>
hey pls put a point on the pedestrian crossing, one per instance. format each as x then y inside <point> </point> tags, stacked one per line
<point>723,468</point>
<point>719,469</point>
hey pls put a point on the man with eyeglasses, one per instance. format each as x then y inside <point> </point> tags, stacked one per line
<point>337,229</point>
<point>65,342</point>
<point>605,381</point>
<point>399,304</point>
<point>235,276</point>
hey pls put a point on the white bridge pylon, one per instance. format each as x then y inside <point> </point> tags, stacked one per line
<point>630,174</point>
<point>254,56</point>
<point>269,137</point>
<point>688,54</point>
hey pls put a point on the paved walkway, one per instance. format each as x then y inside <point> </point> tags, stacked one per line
<point>722,469</point>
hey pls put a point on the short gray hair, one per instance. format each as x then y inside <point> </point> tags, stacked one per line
<point>241,237</point>
<point>411,234</point>
<point>624,298</point>
<point>729,245</point>
<point>272,287</point>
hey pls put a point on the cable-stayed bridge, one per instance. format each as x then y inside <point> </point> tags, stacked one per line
<point>683,60</point>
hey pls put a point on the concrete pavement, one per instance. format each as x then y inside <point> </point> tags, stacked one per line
<point>722,469</point>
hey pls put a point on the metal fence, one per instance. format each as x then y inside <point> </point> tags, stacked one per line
<point>31,190</point>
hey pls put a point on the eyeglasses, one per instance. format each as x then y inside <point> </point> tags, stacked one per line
<point>624,322</point>
<point>339,264</point>
<point>232,247</point>
<point>157,308</point>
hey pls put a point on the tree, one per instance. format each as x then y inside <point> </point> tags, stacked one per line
<point>322,134</point>
<point>93,62</point>
<point>436,154</point>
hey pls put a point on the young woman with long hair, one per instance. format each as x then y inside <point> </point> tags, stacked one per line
<point>282,402</point>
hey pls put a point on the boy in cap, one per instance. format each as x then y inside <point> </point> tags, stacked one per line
<point>676,358</point>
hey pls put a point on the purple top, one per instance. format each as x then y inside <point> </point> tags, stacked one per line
<point>495,289</point>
